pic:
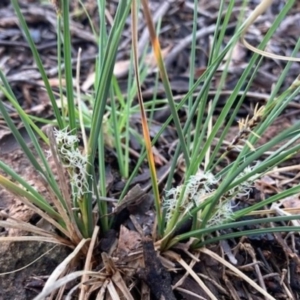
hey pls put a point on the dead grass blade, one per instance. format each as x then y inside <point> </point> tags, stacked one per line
<point>237,272</point>
<point>190,271</point>
<point>259,10</point>
<point>57,284</point>
<point>52,282</point>
<point>159,13</point>
<point>101,293</point>
<point>43,234</point>
<point>49,239</point>
<point>112,291</point>
<point>73,289</point>
<point>88,263</point>
<point>34,208</point>
<point>146,133</point>
<point>164,76</point>
<point>192,263</point>
<point>120,283</point>
<point>190,293</point>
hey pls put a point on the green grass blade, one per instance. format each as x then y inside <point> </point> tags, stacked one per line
<point>26,191</point>
<point>68,67</point>
<point>38,61</point>
<point>166,83</point>
<point>231,225</point>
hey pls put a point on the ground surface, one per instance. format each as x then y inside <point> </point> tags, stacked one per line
<point>271,257</point>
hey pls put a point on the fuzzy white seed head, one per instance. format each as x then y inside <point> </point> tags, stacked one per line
<point>171,200</point>
<point>197,186</point>
<point>223,213</point>
<point>244,188</point>
<point>201,185</point>
<point>72,159</point>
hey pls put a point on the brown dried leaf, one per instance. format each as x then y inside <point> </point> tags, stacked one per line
<point>291,202</point>
<point>128,241</point>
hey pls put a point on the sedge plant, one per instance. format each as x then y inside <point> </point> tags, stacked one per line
<point>211,194</point>
<point>202,190</point>
<point>71,114</point>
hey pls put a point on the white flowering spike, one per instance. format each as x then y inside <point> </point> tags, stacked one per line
<point>72,159</point>
<point>223,213</point>
<point>197,187</point>
<point>201,186</point>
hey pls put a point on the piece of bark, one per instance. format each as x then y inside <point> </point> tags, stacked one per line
<point>154,274</point>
